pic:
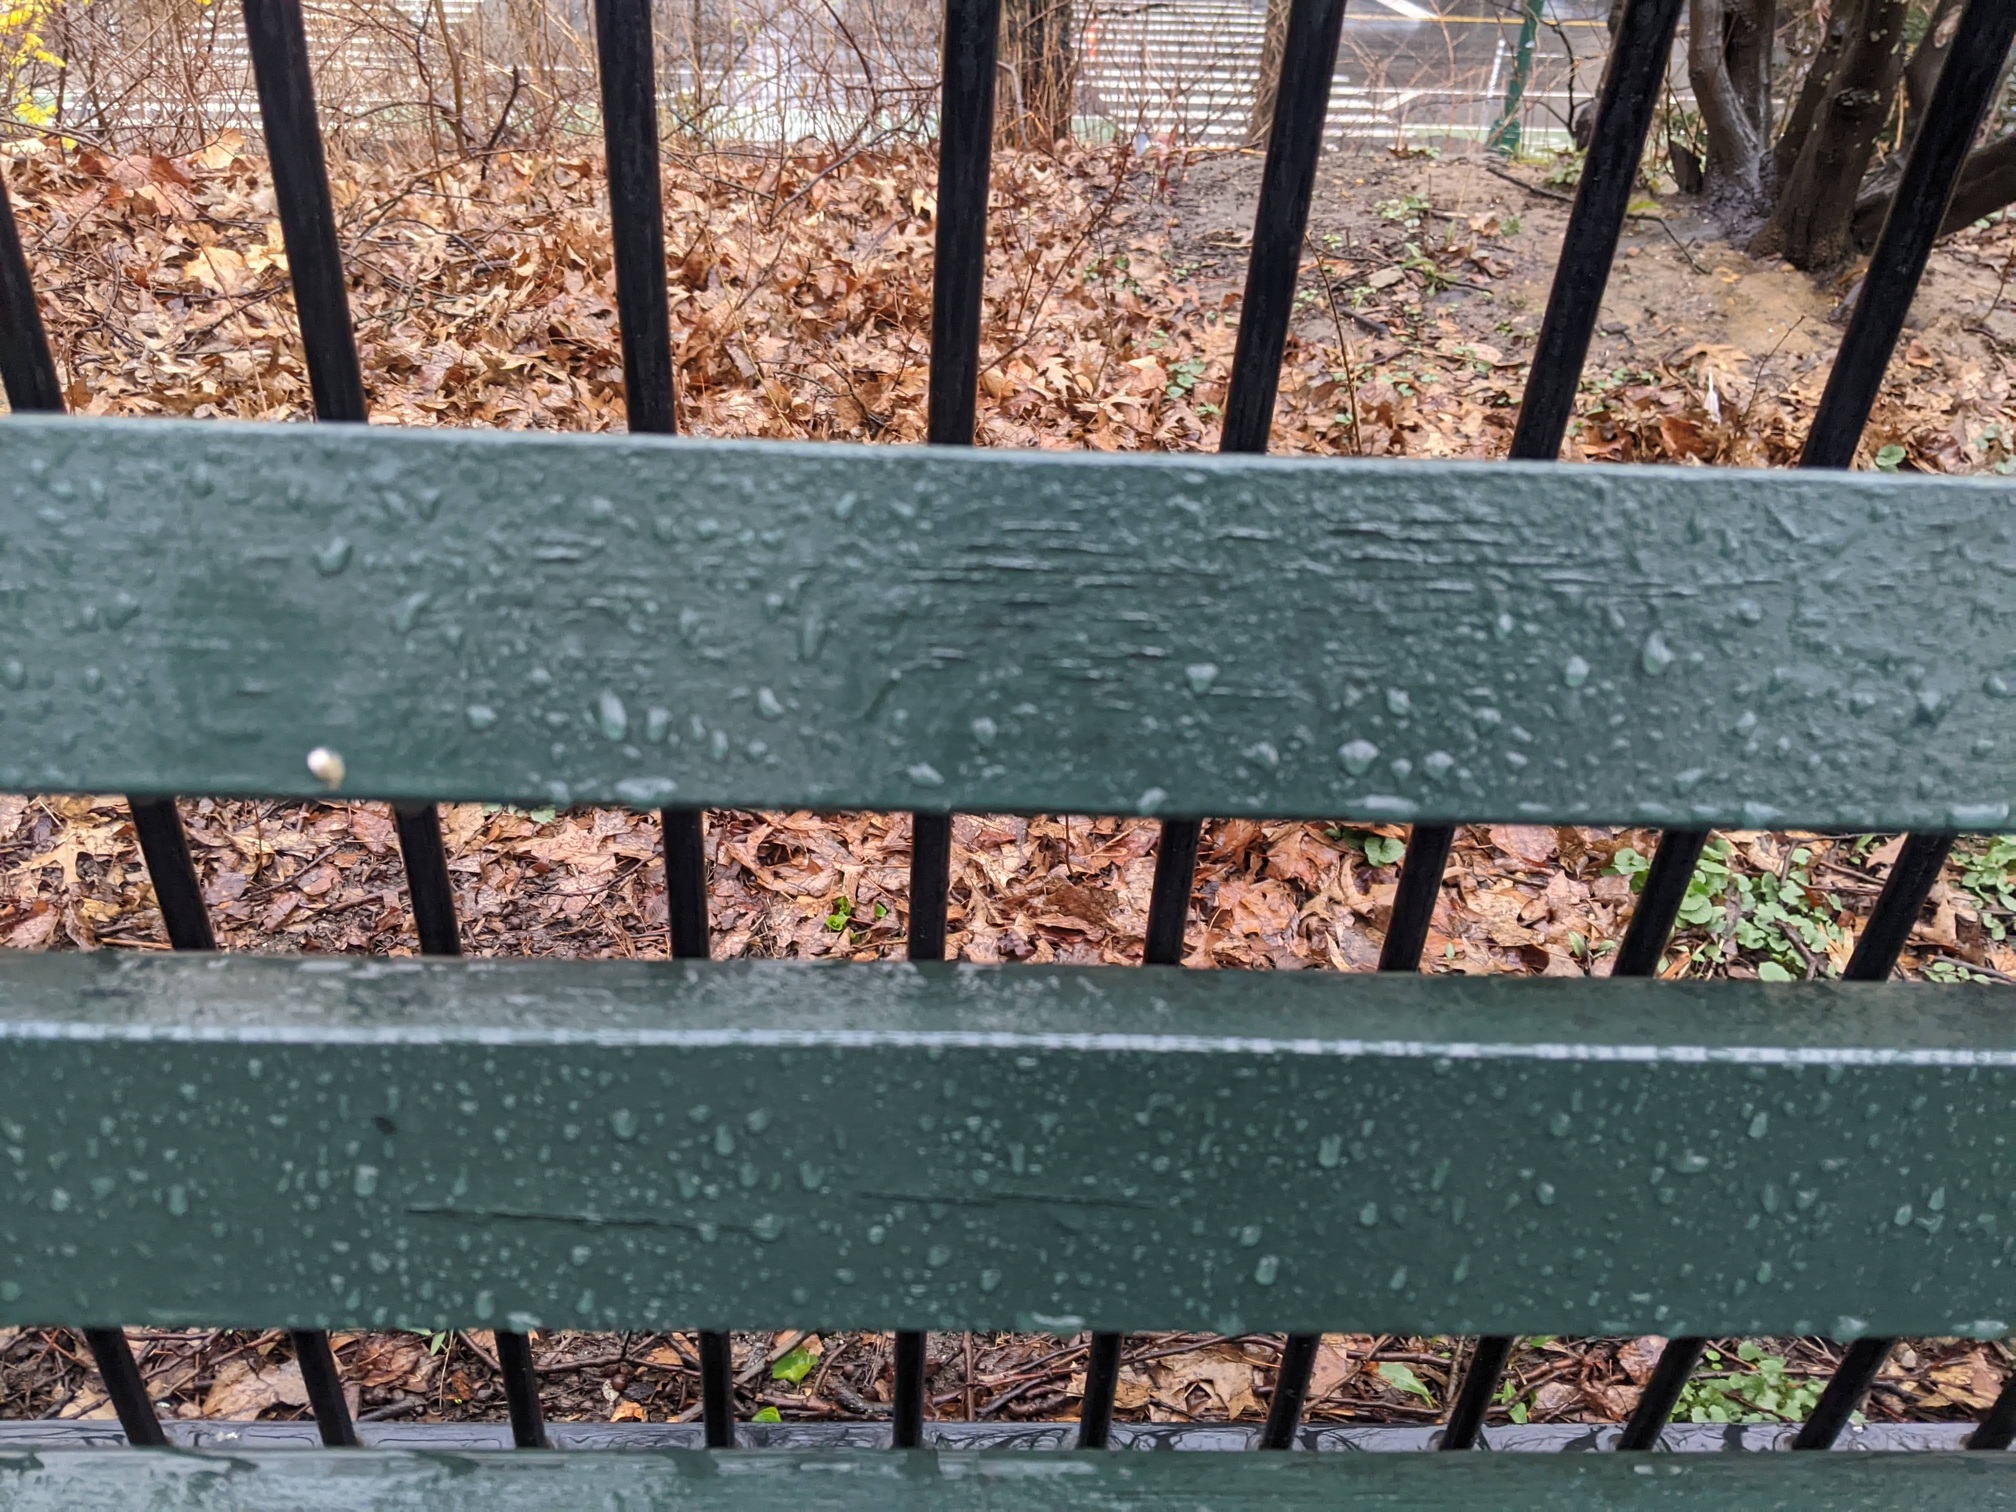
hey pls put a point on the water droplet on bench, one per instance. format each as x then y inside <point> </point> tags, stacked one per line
<point>612,716</point>
<point>1657,655</point>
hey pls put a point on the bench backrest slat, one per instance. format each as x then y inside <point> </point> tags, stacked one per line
<point>195,607</point>
<point>624,1145</point>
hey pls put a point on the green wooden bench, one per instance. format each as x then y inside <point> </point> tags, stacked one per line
<point>234,1141</point>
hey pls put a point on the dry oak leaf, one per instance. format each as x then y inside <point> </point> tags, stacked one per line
<point>1334,1364</point>
<point>1222,1371</point>
<point>1555,1398</point>
<point>246,1387</point>
<point>1531,843</point>
<point>390,1360</point>
<point>1262,908</point>
<point>1615,1402</point>
<point>1969,1382</point>
<point>1639,1356</point>
<point>75,841</point>
<point>1131,1391</point>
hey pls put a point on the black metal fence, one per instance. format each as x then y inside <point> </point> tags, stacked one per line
<point>1630,87</point>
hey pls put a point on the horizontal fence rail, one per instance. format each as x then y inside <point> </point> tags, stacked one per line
<point>201,606</point>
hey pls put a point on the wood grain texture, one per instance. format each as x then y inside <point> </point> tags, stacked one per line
<point>195,606</point>
<point>256,1142</point>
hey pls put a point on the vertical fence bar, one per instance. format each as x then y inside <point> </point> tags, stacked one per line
<point>28,372</point>
<point>1291,1391</point>
<point>1473,1395</point>
<point>1911,877</point>
<point>1421,869</point>
<point>123,1386</point>
<point>1102,1380</point>
<point>325,1387</point>
<point>419,827</point>
<point>624,47</point>
<point>626,53</point>
<point>1959,103</point>
<point>907,1408</point>
<point>965,163</point>
<point>1280,227</point>
<point>972,44</point>
<point>1844,1393</point>
<point>685,882</point>
<point>157,823</point>
<point>1997,1429</point>
<point>279,50</point>
<point>1662,1393</point>
<point>1625,104</point>
<point>521,1390</point>
<point>717,1390</point>
<point>930,885</point>
<point>1169,900</point>
<point>278,44</point>
<point>1658,904</point>
<point>1280,223</point>
<point>686,917</point>
<point>26,366</point>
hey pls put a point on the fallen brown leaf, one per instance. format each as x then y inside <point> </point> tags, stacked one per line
<point>246,1387</point>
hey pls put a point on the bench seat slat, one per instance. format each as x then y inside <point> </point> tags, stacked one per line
<point>262,1142</point>
<point>1010,1481</point>
<point>194,607</point>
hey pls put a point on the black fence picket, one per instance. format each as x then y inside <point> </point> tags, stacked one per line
<point>1280,225</point>
<point>278,44</point>
<point>626,54</point>
<point>28,373</point>
<point>124,1389</point>
<point>970,50</point>
<point>1625,105</point>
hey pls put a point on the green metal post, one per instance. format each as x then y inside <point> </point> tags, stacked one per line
<point>1504,138</point>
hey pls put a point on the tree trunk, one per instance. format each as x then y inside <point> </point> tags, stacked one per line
<point>1812,224</point>
<point>1268,89</point>
<point>1874,201</point>
<point>1040,47</point>
<point>1987,183</point>
<point>1819,74</point>
<point>1927,58</point>
<point>1729,65</point>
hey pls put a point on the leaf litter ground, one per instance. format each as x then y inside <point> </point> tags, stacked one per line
<point>801,308</point>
